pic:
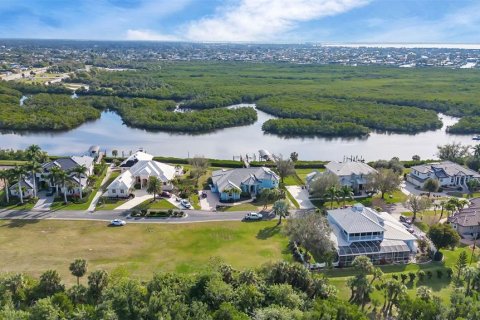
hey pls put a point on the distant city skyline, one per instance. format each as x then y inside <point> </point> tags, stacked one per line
<point>260,21</point>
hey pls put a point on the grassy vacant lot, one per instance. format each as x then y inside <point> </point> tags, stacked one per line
<point>138,249</point>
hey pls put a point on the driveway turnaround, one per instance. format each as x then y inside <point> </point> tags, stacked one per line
<point>210,202</point>
<point>140,196</point>
<point>301,195</point>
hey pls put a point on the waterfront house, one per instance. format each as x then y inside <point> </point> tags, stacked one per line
<point>359,230</point>
<point>26,184</point>
<point>67,164</point>
<point>352,174</point>
<point>447,173</point>
<point>467,220</point>
<point>133,159</point>
<point>137,176</point>
<point>230,184</point>
<point>44,179</point>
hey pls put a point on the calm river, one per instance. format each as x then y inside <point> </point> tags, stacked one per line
<point>110,133</point>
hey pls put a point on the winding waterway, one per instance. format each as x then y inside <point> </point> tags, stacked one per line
<point>110,133</point>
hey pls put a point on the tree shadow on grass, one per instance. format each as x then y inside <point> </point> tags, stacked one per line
<point>19,223</point>
<point>268,232</point>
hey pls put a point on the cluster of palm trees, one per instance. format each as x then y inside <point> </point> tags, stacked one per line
<point>337,194</point>
<point>450,206</point>
<point>57,176</point>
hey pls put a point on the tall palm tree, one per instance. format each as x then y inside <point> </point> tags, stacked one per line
<point>34,167</point>
<point>442,205</point>
<point>63,179</point>
<point>6,176</point>
<point>332,194</point>
<point>79,171</point>
<point>55,173</point>
<point>345,193</point>
<point>20,172</point>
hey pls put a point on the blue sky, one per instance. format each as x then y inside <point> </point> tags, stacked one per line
<point>287,21</point>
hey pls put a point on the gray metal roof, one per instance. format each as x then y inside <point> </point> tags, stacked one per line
<point>349,168</point>
<point>67,164</point>
<point>357,219</point>
<point>225,179</point>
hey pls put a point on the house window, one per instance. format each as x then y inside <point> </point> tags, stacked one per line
<point>114,190</point>
<point>121,191</point>
<point>451,180</point>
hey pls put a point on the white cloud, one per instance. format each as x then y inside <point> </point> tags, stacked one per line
<point>149,35</point>
<point>264,20</point>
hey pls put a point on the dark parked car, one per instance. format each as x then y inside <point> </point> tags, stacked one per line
<point>166,194</point>
<point>405,219</point>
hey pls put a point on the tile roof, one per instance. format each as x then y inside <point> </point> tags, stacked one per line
<point>468,217</point>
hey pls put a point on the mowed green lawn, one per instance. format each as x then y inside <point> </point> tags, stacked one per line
<point>136,249</point>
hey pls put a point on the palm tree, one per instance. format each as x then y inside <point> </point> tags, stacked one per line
<point>55,173</point>
<point>346,192</point>
<point>34,167</point>
<point>442,205</point>
<point>78,268</point>
<point>280,208</point>
<point>63,179</point>
<point>6,176</point>
<point>332,194</point>
<point>79,171</point>
<point>20,172</point>
<point>154,186</point>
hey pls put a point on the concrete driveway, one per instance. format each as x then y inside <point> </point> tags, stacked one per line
<point>140,196</point>
<point>301,196</point>
<point>44,203</point>
<point>210,202</point>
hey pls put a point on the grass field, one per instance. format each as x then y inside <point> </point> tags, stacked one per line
<point>11,162</point>
<point>157,204</point>
<point>136,249</point>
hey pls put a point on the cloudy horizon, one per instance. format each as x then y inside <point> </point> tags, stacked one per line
<point>245,21</point>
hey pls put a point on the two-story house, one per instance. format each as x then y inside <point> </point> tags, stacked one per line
<point>229,184</point>
<point>359,230</point>
<point>43,178</point>
<point>447,173</point>
<point>352,174</point>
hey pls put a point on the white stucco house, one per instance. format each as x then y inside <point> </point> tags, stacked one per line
<point>138,174</point>
<point>447,173</point>
<point>133,159</point>
<point>352,174</point>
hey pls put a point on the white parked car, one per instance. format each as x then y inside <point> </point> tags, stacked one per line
<point>253,216</point>
<point>118,223</point>
<point>185,203</point>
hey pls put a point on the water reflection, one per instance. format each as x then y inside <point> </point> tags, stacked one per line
<point>110,133</point>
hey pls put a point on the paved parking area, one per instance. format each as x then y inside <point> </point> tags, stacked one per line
<point>301,195</point>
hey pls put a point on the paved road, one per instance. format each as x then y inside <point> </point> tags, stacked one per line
<point>192,216</point>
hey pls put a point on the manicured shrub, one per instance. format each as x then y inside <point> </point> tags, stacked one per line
<point>439,273</point>
<point>421,275</point>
